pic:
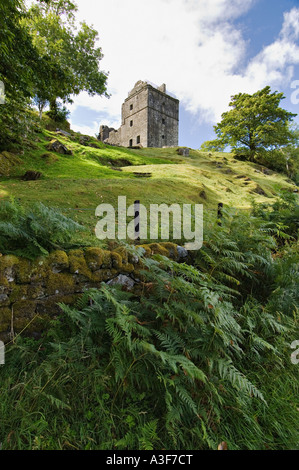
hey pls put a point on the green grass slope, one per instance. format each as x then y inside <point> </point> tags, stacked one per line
<point>96,173</point>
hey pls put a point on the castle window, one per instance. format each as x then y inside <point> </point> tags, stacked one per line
<point>131,107</point>
<point>131,123</point>
<point>131,143</point>
<point>138,139</point>
<point>163,121</point>
<point>163,136</point>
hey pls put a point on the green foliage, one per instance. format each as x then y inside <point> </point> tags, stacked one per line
<point>185,364</point>
<point>43,58</point>
<point>281,218</point>
<point>35,231</point>
<point>73,58</point>
<point>16,122</point>
<point>19,59</point>
<point>58,113</point>
<point>20,65</point>
<point>255,124</point>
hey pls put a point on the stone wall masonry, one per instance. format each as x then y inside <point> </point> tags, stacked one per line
<point>31,290</point>
<point>150,118</point>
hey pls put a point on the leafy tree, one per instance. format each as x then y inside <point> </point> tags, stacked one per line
<point>74,64</point>
<point>23,70</point>
<point>254,125</point>
<point>18,57</point>
<point>19,64</point>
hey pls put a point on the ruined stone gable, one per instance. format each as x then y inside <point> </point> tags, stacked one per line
<point>150,118</point>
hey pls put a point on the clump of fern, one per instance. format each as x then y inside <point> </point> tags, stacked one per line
<point>196,358</point>
<point>281,219</point>
<point>36,230</point>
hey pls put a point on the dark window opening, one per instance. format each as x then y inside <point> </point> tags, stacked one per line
<point>131,123</point>
<point>131,143</point>
<point>163,121</point>
<point>163,136</point>
<point>138,139</point>
<point>131,107</point>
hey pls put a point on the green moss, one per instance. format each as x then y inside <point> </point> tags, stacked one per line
<point>24,308</point>
<point>104,275</point>
<point>78,264</point>
<point>7,264</point>
<point>35,292</point>
<point>158,249</point>
<point>127,268</point>
<point>123,253</point>
<point>4,284</point>
<point>171,248</point>
<point>94,258</point>
<point>20,324</point>
<point>147,251</point>
<point>49,307</point>
<point>18,293</point>
<point>31,271</point>
<point>60,283</point>
<point>107,261</point>
<point>5,318</point>
<point>116,260</point>
<point>58,261</point>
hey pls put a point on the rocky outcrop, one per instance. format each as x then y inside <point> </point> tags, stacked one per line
<point>57,146</point>
<point>30,291</point>
<point>32,175</point>
<point>184,151</point>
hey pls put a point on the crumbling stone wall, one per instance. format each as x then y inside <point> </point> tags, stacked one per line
<point>31,290</point>
<point>150,118</point>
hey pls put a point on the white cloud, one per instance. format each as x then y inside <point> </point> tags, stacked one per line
<point>191,45</point>
<point>290,29</point>
<point>275,63</point>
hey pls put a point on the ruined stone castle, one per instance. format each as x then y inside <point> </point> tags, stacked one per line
<point>150,118</point>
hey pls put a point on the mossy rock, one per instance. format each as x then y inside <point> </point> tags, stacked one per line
<point>123,253</point>
<point>24,309</point>
<point>94,258</point>
<point>107,261</point>
<point>158,249</point>
<point>146,250</point>
<point>171,248</point>
<point>58,261</point>
<point>4,285</point>
<point>31,271</point>
<point>78,264</point>
<point>116,260</point>
<point>19,292</point>
<point>128,268</point>
<point>60,283</point>
<point>35,292</point>
<point>51,307</point>
<point>5,318</point>
<point>8,267</point>
<point>104,275</point>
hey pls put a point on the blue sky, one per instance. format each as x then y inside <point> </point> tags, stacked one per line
<point>204,50</point>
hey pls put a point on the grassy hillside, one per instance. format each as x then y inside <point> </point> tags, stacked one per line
<point>97,173</point>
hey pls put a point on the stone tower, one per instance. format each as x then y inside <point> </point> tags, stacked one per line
<point>150,118</point>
